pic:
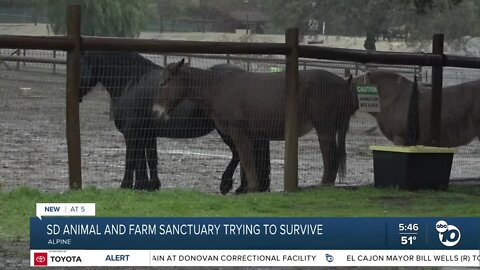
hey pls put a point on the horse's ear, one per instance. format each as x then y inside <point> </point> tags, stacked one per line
<point>349,79</point>
<point>173,68</point>
<point>177,66</point>
<point>366,78</point>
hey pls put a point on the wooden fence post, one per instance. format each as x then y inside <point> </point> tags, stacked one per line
<point>54,65</point>
<point>437,84</point>
<point>18,61</point>
<point>73,84</point>
<point>291,113</point>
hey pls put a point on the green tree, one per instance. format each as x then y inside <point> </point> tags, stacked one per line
<point>426,6</point>
<point>349,17</point>
<point>167,9</point>
<point>290,13</point>
<point>452,18</point>
<point>114,18</point>
<point>372,18</point>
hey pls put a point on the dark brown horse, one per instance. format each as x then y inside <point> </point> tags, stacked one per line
<point>251,106</point>
<point>460,110</point>
<point>131,81</point>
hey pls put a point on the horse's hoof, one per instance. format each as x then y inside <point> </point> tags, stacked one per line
<point>265,188</point>
<point>241,190</point>
<point>141,184</point>
<point>154,185</point>
<point>226,186</point>
<point>126,184</point>
<point>328,183</point>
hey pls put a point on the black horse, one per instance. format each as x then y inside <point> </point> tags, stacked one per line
<point>131,81</point>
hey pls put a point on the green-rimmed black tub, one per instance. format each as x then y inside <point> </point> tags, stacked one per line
<point>412,167</point>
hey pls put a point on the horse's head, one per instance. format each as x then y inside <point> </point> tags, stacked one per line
<point>114,70</point>
<point>172,89</point>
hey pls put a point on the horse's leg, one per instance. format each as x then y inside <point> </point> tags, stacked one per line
<point>243,181</point>
<point>341,148</point>
<point>227,176</point>
<point>127,181</point>
<point>152,160</point>
<point>245,147</point>
<point>329,148</point>
<point>262,159</point>
<point>141,176</point>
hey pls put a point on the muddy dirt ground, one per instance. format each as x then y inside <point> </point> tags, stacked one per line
<point>33,148</point>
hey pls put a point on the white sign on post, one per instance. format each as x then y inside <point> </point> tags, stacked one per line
<point>368,99</point>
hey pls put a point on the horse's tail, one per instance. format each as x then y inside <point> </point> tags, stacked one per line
<point>342,154</point>
<point>351,107</point>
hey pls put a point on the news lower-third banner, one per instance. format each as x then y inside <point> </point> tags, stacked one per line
<point>162,241</point>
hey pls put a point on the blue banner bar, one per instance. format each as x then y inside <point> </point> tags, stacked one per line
<point>110,233</point>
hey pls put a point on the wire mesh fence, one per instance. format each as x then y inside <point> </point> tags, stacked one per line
<point>33,129</point>
<point>34,60</point>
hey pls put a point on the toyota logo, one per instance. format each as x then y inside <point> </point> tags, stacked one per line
<point>40,259</point>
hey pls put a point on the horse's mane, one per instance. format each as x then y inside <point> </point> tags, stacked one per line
<point>388,75</point>
<point>120,59</point>
<point>119,69</point>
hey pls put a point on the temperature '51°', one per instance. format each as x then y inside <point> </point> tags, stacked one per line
<point>408,233</point>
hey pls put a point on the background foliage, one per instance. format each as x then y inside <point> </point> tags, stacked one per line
<point>117,18</point>
<point>410,20</point>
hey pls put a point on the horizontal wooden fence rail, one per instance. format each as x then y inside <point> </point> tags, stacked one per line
<point>61,43</point>
<point>304,63</point>
<point>397,58</point>
<point>15,58</point>
<point>141,45</point>
<point>461,61</point>
<point>419,59</point>
<point>170,46</point>
<point>173,46</point>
